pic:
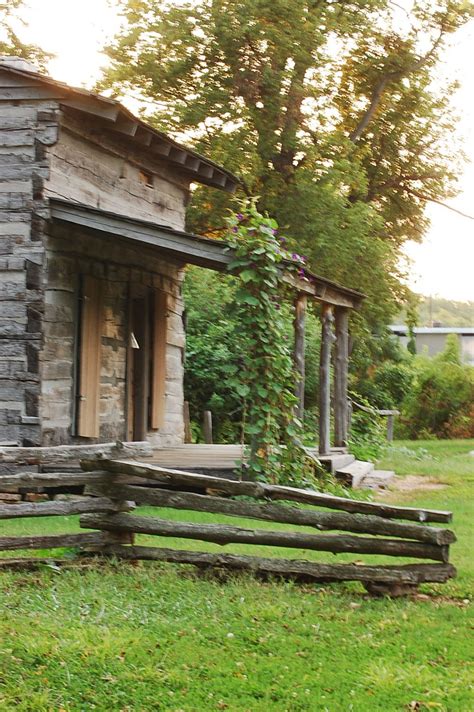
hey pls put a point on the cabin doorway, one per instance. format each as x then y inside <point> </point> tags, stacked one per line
<point>139,365</point>
<point>146,361</point>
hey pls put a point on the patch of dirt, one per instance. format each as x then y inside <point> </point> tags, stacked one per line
<point>415,482</point>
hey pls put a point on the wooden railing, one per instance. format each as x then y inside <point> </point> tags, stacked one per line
<point>115,487</point>
<point>386,413</point>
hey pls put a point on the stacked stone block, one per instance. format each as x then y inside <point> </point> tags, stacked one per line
<point>25,132</point>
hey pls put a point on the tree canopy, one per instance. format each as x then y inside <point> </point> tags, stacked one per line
<point>10,42</point>
<point>328,110</point>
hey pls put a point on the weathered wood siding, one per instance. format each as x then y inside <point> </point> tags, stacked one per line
<point>68,256</point>
<point>96,171</point>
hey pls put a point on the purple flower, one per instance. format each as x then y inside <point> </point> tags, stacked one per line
<point>294,256</point>
<point>235,229</point>
<point>274,232</point>
<point>239,216</point>
<point>283,240</point>
<point>301,272</point>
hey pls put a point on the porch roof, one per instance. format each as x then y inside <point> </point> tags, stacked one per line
<point>187,247</point>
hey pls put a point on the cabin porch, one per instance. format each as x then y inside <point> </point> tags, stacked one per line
<point>225,460</point>
<point>336,302</point>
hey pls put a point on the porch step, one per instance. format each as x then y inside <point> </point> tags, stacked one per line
<point>352,474</point>
<point>334,461</point>
<point>378,479</point>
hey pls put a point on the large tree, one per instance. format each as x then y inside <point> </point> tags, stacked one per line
<point>10,31</point>
<point>327,109</point>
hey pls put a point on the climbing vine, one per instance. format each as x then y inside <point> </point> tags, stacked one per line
<point>267,379</point>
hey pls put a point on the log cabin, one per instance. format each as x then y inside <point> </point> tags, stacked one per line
<point>93,248</point>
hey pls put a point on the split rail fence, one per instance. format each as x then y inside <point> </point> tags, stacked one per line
<point>115,486</point>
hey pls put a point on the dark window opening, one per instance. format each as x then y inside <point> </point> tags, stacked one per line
<point>145,178</point>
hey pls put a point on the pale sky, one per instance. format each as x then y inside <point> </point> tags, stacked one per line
<point>443,265</point>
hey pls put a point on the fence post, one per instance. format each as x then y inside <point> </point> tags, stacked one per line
<point>390,424</point>
<point>187,423</point>
<point>207,426</point>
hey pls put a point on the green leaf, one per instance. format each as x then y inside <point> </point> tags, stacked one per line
<point>248,276</point>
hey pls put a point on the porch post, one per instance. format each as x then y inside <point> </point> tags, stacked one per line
<point>299,328</point>
<point>324,379</point>
<point>340,376</point>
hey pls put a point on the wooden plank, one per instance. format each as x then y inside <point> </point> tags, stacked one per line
<point>390,426</point>
<point>359,523</point>
<point>225,534</point>
<point>35,480</point>
<point>260,490</point>
<point>60,509</point>
<point>290,568</point>
<point>341,367</point>
<point>54,541</point>
<point>325,379</point>
<point>187,422</point>
<point>299,350</point>
<point>90,358</point>
<point>66,453</point>
<point>158,387</point>
<point>324,290</point>
<point>34,564</point>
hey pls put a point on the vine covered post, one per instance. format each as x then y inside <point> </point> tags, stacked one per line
<point>299,352</point>
<point>266,380</point>
<point>327,319</point>
<point>341,366</point>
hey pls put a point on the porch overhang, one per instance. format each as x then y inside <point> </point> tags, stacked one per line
<point>187,248</point>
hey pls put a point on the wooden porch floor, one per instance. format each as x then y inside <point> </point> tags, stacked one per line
<point>211,457</point>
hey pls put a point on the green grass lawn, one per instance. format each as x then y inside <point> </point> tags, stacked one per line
<point>158,637</point>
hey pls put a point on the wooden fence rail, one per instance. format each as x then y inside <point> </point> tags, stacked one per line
<point>356,527</point>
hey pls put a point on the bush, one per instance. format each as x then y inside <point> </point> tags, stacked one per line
<point>385,384</point>
<point>441,400</point>
<point>367,437</point>
<point>212,353</point>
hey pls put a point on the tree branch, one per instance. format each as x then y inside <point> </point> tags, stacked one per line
<point>381,85</point>
<point>430,199</point>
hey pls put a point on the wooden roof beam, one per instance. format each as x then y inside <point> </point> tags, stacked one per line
<point>125,125</point>
<point>90,105</point>
<point>230,185</point>
<point>162,148</point>
<point>219,178</point>
<point>192,163</point>
<point>205,170</point>
<point>143,136</point>
<point>177,155</point>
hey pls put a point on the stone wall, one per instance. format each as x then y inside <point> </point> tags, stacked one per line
<point>70,254</point>
<point>26,129</point>
<point>47,151</point>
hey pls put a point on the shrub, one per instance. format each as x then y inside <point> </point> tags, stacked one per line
<point>441,399</point>
<point>367,437</point>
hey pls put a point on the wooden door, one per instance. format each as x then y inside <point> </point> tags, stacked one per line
<point>89,353</point>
